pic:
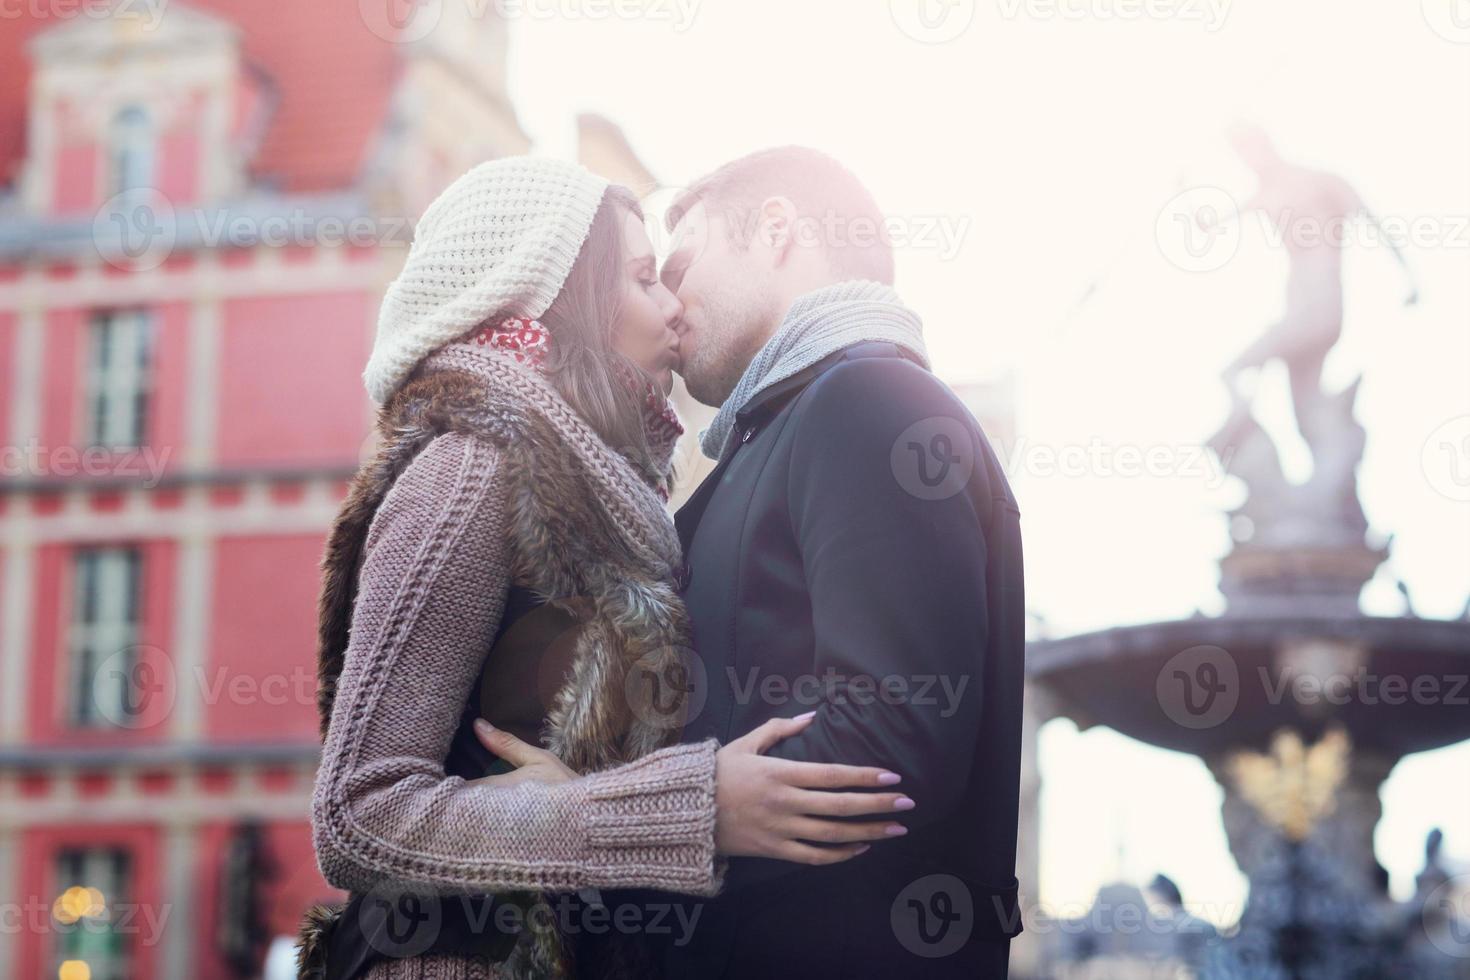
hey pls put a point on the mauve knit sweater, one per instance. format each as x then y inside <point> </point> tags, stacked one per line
<point>431,590</point>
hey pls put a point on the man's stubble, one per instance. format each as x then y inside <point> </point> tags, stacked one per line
<point>736,324</point>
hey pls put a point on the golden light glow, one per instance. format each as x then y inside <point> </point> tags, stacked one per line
<point>78,903</point>
<point>97,904</point>
<point>74,970</point>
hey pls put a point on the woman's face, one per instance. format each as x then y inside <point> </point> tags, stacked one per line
<point>644,331</point>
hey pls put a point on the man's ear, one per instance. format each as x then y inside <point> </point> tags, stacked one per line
<point>776,228</point>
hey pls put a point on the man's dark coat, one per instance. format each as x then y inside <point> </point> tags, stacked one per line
<point>858,551</point>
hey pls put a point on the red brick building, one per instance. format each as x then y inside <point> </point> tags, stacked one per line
<point>199,207</point>
<point>200,204</point>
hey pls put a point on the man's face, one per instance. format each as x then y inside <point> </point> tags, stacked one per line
<point>727,299</point>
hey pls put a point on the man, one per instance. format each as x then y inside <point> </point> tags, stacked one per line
<point>857,550</point>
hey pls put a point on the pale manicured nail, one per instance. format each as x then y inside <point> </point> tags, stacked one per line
<point>804,717</point>
<point>484,726</point>
<point>903,803</point>
<point>888,778</point>
<point>895,830</point>
<point>863,848</point>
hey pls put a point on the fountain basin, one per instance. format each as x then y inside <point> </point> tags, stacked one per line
<point>1397,684</point>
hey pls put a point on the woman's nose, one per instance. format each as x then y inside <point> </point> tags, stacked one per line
<point>673,310</point>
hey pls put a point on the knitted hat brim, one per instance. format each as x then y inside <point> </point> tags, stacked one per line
<point>479,253</point>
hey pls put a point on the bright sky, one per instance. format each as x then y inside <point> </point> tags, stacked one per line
<point>1032,154</point>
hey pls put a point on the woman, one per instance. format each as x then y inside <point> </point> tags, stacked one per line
<point>500,557</point>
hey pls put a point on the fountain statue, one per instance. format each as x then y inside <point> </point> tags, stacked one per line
<point>1299,542</point>
<point>1298,703</point>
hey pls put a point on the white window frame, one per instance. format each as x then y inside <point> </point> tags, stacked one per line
<point>133,158</point>
<point>107,590</point>
<point>119,379</point>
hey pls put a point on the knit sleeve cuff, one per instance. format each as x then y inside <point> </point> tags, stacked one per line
<point>651,823</point>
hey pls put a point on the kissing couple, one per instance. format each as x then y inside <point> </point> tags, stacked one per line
<point>568,734</point>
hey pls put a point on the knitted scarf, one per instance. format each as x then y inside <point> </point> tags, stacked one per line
<point>528,342</point>
<point>819,324</point>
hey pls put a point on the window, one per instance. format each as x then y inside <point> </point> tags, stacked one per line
<point>133,150</point>
<point>103,638</point>
<point>118,379</point>
<point>88,914</point>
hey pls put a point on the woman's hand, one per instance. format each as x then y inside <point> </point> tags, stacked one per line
<point>531,762</point>
<point>769,807</point>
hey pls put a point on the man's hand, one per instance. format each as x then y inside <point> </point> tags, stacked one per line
<point>532,763</point>
<point>770,807</point>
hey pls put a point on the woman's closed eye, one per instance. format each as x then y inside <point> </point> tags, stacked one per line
<point>645,270</point>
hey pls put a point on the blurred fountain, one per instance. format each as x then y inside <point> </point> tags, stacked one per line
<point>1298,703</point>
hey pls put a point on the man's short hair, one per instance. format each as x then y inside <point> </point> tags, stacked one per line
<point>835,210</point>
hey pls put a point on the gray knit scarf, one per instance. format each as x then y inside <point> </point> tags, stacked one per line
<point>819,324</point>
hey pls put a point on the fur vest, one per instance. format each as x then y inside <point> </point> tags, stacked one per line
<point>585,524</point>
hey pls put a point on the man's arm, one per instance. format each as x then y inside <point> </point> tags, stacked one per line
<point>896,581</point>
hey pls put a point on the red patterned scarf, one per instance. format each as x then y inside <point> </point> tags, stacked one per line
<point>529,342</point>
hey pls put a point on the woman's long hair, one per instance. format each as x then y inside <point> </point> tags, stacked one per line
<point>582,364</point>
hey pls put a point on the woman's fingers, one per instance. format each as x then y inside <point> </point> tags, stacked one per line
<point>765,735</point>
<point>831,775</point>
<point>837,832</point>
<point>811,854</point>
<point>767,807</point>
<point>828,804</point>
<point>506,745</point>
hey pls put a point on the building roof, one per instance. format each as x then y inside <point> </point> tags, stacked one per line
<point>330,78</point>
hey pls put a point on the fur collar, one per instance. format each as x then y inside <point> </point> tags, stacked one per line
<point>517,402</point>
<point>583,523</point>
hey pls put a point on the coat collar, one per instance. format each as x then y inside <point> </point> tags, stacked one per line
<point>761,409</point>
<point>770,401</point>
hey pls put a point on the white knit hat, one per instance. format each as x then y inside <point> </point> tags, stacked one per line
<point>501,239</point>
